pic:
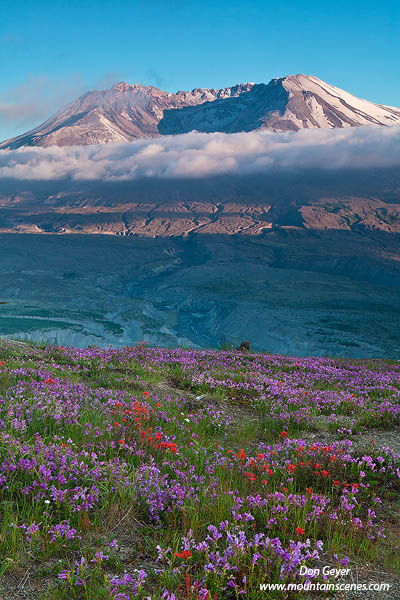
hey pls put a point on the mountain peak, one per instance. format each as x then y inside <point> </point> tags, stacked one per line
<point>122,86</point>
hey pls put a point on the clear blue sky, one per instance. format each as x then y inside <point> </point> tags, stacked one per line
<point>51,51</point>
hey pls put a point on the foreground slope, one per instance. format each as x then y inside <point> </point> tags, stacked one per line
<point>179,474</point>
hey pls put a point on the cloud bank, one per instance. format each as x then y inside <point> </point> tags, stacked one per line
<point>206,154</point>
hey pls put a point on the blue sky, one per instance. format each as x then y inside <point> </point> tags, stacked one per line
<point>53,51</point>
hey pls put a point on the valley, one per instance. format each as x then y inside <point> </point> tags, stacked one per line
<point>286,291</point>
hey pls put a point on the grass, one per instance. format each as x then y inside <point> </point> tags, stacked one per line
<point>111,489</point>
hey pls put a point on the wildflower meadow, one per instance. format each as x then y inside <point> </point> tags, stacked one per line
<point>192,474</point>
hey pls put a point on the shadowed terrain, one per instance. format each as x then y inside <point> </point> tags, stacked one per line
<point>288,291</point>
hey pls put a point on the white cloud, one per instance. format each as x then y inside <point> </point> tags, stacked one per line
<point>203,154</point>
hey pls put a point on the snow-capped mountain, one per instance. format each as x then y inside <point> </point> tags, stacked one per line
<point>123,113</point>
<point>290,103</point>
<point>127,112</point>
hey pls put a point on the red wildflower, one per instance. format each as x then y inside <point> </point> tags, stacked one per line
<point>185,554</point>
<point>299,530</point>
<point>283,434</point>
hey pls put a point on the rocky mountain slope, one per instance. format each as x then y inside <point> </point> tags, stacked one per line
<point>337,200</point>
<point>128,112</point>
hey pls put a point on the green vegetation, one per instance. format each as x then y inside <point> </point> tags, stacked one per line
<point>194,475</point>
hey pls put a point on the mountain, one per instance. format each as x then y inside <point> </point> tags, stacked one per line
<point>121,114</point>
<point>292,103</point>
<point>128,112</point>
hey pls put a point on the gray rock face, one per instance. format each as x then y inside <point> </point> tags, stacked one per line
<point>128,112</point>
